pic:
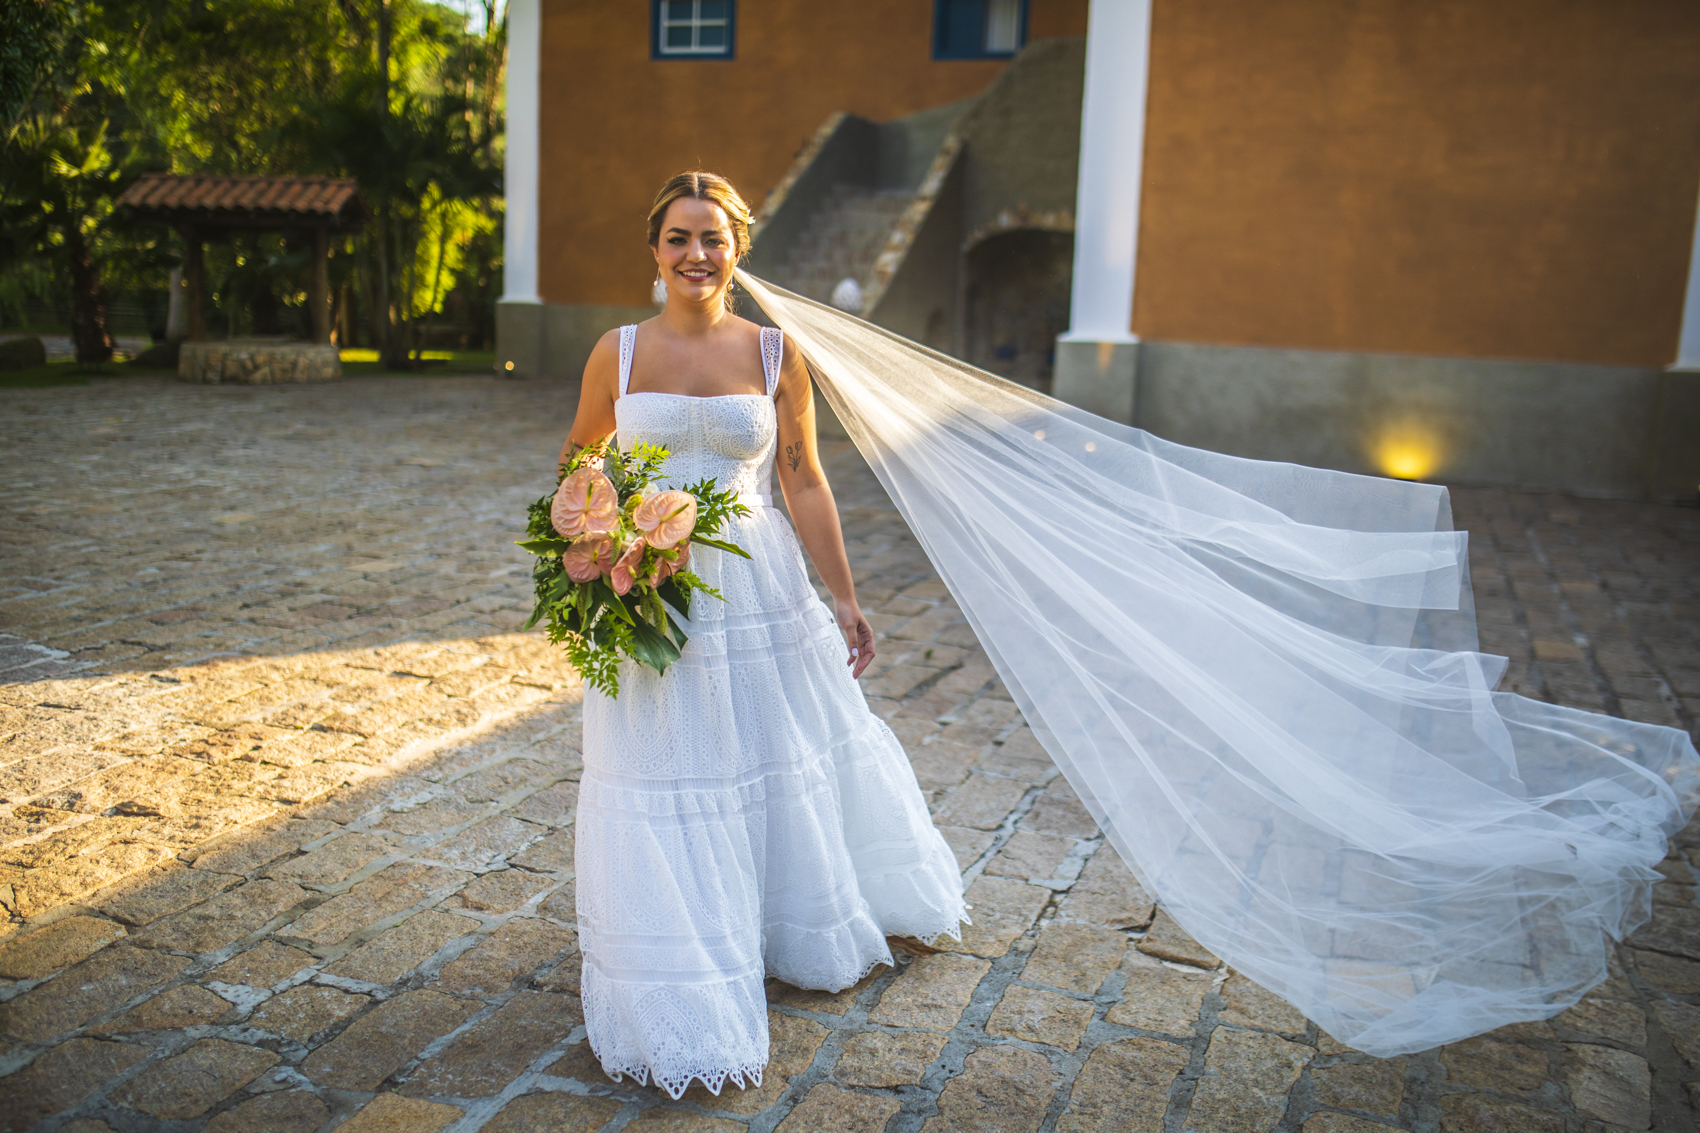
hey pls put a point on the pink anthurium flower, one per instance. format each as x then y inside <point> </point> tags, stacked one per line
<point>666,519</point>
<point>585,501</point>
<point>589,557</point>
<point>625,567</point>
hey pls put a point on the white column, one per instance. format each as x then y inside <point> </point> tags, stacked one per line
<point>519,313</point>
<point>519,247</point>
<point>1097,360</point>
<point>1688,343</point>
<point>1112,154</point>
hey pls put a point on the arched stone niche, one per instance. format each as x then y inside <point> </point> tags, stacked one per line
<point>1016,302</point>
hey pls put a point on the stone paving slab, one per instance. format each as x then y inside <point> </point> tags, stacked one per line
<point>286,815</point>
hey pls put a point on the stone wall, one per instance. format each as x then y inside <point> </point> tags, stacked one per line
<point>1023,143</point>
<point>258,363</point>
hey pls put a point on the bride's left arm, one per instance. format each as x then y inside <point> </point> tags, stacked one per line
<point>808,497</point>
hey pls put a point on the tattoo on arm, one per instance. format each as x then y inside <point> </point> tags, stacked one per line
<point>794,455</point>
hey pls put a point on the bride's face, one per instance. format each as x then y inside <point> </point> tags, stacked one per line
<point>695,252</point>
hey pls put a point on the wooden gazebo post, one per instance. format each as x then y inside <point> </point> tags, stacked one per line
<point>194,282</point>
<point>319,297</point>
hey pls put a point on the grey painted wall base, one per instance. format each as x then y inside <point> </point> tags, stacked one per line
<point>1591,430</point>
<point>519,338</point>
<point>1099,377</point>
<point>554,340</point>
<point>1675,455</point>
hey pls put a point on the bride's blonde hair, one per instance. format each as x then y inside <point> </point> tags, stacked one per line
<point>715,189</point>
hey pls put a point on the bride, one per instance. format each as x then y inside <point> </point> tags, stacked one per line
<point>1263,681</point>
<point>745,814</point>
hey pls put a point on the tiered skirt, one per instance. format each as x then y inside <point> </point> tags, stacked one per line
<point>743,815</point>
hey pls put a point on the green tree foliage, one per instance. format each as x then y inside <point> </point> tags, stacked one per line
<point>32,38</point>
<point>403,95</point>
<point>70,146</point>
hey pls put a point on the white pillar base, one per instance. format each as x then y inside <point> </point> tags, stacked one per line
<point>1100,377</point>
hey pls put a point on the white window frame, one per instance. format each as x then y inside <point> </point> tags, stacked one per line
<point>1003,27</point>
<point>696,22</point>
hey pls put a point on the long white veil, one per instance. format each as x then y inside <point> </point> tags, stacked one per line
<point>1263,681</point>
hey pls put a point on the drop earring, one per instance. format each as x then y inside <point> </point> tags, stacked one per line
<point>658,291</point>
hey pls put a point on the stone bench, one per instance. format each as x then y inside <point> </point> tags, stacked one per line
<point>258,362</point>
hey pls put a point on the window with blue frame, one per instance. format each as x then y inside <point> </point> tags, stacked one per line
<point>693,29</point>
<point>979,29</point>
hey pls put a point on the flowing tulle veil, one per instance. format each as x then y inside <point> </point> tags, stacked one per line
<point>1263,680</point>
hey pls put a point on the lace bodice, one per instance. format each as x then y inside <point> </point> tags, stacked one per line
<point>729,439</point>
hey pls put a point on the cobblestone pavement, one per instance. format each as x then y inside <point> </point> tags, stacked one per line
<point>286,835</point>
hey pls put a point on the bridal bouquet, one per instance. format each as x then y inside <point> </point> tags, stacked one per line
<point>613,556</point>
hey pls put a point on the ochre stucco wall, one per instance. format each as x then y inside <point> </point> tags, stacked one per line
<point>615,123</point>
<point>1513,179</point>
<point>1046,18</point>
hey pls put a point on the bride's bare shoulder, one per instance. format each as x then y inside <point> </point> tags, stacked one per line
<point>603,365</point>
<point>608,346</point>
<point>744,327</point>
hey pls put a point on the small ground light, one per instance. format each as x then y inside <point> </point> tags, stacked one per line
<point>509,366</point>
<point>1407,453</point>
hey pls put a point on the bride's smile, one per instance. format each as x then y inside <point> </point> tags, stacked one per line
<point>695,255</point>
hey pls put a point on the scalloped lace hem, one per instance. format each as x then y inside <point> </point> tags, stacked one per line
<point>954,932</point>
<point>745,1077</point>
<point>887,960</point>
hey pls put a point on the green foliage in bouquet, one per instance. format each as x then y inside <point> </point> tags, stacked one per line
<point>620,604</point>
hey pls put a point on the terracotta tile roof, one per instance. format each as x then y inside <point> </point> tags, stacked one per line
<point>245,199</point>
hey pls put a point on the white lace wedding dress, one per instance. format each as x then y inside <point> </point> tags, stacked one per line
<point>745,814</point>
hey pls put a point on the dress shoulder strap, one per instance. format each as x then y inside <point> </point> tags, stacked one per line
<point>628,339</point>
<point>772,354</point>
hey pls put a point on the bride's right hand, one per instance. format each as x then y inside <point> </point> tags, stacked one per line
<point>858,635</point>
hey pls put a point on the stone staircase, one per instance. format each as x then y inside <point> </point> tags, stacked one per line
<point>841,240</point>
